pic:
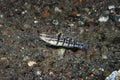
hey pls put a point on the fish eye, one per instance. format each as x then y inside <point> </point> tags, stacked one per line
<point>81,45</point>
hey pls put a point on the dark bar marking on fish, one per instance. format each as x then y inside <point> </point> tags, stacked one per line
<point>63,41</point>
<point>70,39</point>
<point>71,43</point>
<point>74,43</point>
<point>58,39</point>
<point>66,40</point>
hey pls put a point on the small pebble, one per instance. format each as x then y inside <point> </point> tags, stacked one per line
<point>71,25</point>
<point>55,22</point>
<point>51,73</point>
<point>69,73</point>
<point>87,10</point>
<point>78,14</point>
<point>101,69</point>
<point>10,41</point>
<point>107,12</point>
<point>82,30</point>
<point>1,16</point>
<point>31,63</point>
<point>38,72</point>
<point>26,58</point>
<point>58,10</point>
<point>27,26</point>
<point>35,21</point>
<point>18,37</point>
<point>81,22</point>
<point>104,56</point>
<point>3,58</point>
<point>23,12</point>
<point>117,18</point>
<point>22,48</point>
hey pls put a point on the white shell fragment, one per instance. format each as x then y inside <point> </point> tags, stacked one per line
<point>38,72</point>
<point>58,10</point>
<point>55,22</point>
<point>61,52</point>
<point>31,63</point>
<point>103,19</point>
<point>35,21</point>
<point>113,76</point>
<point>111,6</point>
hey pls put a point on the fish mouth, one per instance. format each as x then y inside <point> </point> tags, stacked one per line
<point>43,35</point>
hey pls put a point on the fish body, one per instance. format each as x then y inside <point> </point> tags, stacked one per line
<point>62,41</point>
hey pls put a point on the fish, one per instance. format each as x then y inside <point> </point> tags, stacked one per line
<point>61,40</point>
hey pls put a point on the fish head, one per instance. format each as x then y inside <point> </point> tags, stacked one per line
<point>48,39</point>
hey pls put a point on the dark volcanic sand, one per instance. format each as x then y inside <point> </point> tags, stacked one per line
<point>23,56</point>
